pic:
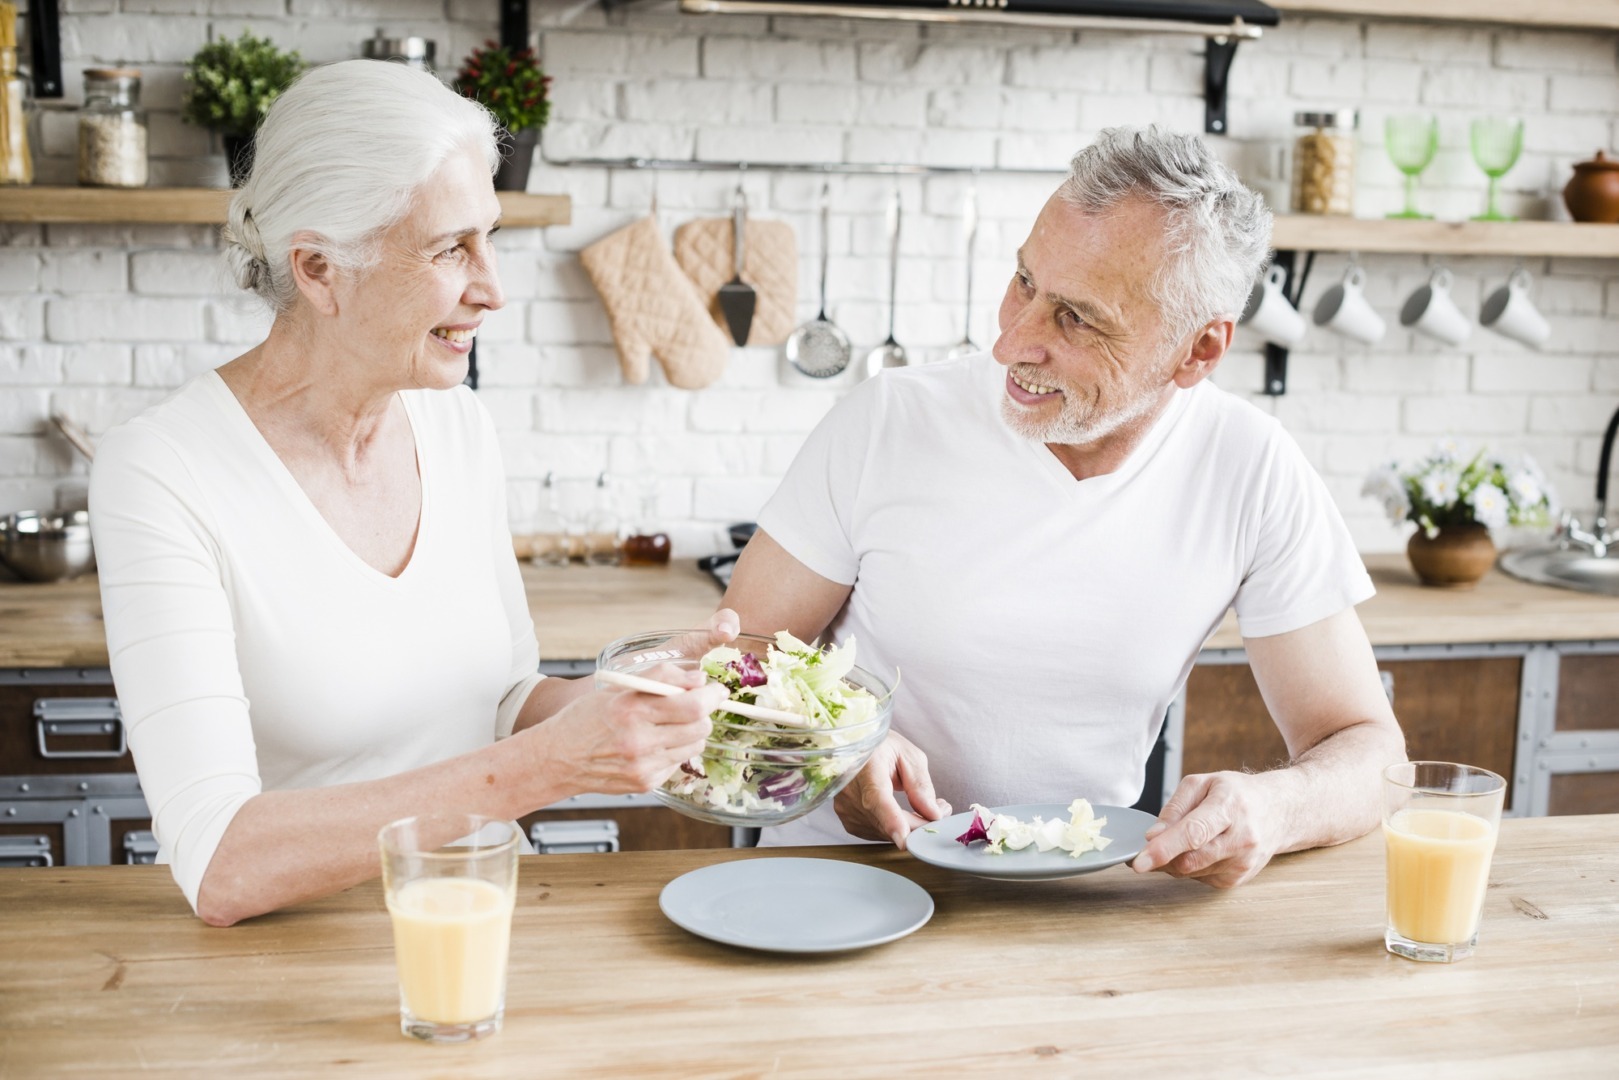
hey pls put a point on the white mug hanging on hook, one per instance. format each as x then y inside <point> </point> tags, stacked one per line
<point>1270,314</point>
<point>1343,309</point>
<point>1509,312</point>
<point>1430,310</point>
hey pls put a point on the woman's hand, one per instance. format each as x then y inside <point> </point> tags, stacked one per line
<point>867,807</point>
<point>615,742</point>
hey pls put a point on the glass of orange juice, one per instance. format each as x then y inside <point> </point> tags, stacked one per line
<point>1439,827</point>
<point>451,884</point>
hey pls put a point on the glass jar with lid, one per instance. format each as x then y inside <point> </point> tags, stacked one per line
<point>112,129</point>
<point>1324,162</point>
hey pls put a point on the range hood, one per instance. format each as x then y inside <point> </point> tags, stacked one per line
<point>1210,18</point>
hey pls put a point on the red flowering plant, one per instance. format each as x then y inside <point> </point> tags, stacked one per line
<point>509,84</point>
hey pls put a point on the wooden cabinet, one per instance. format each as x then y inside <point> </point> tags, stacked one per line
<point>68,793</point>
<point>637,827</point>
<point>1582,762</point>
<point>1451,710</point>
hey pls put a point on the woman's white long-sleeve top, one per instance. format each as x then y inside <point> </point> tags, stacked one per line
<point>252,649</point>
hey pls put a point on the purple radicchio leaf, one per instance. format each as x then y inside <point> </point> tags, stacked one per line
<point>978,830</point>
<point>784,787</point>
<point>748,671</point>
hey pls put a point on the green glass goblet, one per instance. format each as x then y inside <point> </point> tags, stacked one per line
<point>1412,141</point>
<point>1497,142</point>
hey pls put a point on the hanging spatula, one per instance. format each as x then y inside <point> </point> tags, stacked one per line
<point>737,298</point>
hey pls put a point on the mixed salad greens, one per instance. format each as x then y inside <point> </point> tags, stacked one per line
<point>751,765</point>
<point>1082,831</point>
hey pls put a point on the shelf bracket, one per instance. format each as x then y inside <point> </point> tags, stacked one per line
<point>1293,289</point>
<point>514,24</point>
<point>1217,57</point>
<point>45,48</point>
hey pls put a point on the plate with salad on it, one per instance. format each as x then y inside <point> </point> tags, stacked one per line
<point>1033,841</point>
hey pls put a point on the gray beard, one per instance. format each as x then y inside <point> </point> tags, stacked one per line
<point>1071,427</point>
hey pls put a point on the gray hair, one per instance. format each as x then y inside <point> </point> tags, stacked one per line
<point>340,155</point>
<point>1218,231</point>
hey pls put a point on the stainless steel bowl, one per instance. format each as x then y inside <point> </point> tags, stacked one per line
<point>47,545</point>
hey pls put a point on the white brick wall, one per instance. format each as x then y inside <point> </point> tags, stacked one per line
<point>101,320</point>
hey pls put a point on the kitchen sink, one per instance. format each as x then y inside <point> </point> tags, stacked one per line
<point>1577,558</point>
<point>1568,567</point>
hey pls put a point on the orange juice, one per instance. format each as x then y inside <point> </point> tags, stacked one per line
<point>1438,866</point>
<point>451,937</point>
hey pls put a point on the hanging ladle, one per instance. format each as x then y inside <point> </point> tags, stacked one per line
<point>890,353</point>
<point>966,347</point>
<point>819,348</point>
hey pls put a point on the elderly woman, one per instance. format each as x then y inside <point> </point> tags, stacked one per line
<point>314,615</point>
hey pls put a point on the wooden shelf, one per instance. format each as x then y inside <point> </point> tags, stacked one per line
<point>1575,14</point>
<point>204,206</point>
<point>1300,232</point>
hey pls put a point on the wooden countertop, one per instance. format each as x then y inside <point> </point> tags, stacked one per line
<point>106,973</point>
<point>1500,608</point>
<point>579,609</point>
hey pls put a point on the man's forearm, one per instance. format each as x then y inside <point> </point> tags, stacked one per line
<point>1332,793</point>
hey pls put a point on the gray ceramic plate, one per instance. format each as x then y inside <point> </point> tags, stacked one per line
<point>796,905</point>
<point>1127,829</point>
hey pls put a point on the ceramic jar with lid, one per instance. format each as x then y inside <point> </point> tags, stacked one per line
<point>1592,193</point>
<point>112,129</point>
<point>1324,162</point>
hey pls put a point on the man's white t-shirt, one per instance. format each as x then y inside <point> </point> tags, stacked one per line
<point>1042,625</point>
<point>253,650</point>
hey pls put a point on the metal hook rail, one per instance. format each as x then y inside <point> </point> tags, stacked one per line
<point>818,168</point>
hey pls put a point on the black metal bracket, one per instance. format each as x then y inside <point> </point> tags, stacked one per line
<point>514,24</point>
<point>45,48</point>
<point>1293,290</point>
<point>1217,57</point>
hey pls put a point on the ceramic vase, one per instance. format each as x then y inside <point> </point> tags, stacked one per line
<point>1455,559</point>
<point>238,157</point>
<point>518,156</point>
<point>1592,193</point>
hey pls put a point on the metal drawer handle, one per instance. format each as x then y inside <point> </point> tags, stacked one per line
<point>26,851</point>
<point>140,847</point>
<point>77,718</point>
<point>574,837</point>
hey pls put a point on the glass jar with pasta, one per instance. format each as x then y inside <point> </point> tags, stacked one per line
<point>1324,162</point>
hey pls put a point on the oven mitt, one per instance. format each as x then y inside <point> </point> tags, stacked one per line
<point>653,309</point>
<point>706,252</point>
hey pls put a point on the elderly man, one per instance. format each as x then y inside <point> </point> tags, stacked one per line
<point>1042,541</point>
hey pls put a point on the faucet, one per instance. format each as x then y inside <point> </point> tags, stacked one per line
<point>1598,540</point>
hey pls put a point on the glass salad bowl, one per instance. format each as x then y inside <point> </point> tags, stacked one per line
<point>754,772</point>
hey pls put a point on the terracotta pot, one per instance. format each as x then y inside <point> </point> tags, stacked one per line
<point>1593,193</point>
<point>1455,559</point>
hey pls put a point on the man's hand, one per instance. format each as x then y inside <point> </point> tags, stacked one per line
<point>867,807</point>
<point>1221,828</point>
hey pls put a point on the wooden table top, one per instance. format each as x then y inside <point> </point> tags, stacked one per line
<point>104,972</point>
<point>579,609</point>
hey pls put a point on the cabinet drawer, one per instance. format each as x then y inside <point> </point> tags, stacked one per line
<point>1450,710</point>
<point>643,828</point>
<point>32,744</point>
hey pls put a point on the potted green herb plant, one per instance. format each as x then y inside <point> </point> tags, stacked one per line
<point>513,87</point>
<point>230,85</point>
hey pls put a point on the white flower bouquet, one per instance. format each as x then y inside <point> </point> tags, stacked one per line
<point>1449,488</point>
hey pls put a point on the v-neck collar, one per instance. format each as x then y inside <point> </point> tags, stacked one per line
<point>303,505</point>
